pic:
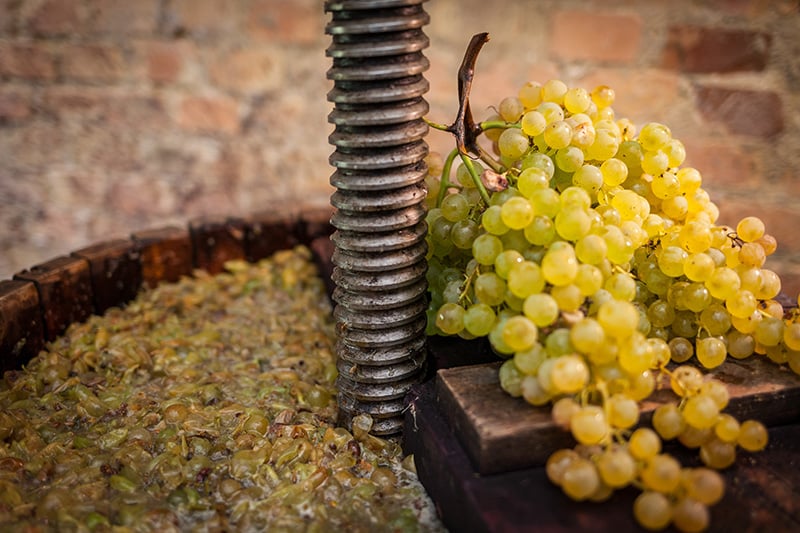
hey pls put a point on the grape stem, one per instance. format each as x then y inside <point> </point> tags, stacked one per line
<point>498,124</point>
<point>467,282</point>
<point>489,160</point>
<point>445,179</point>
<point>436,125</point>
<point>735,240</point>
<point>464,128</point>
<point>474,175</point>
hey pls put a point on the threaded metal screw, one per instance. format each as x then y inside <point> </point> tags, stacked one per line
<point>380,226</point>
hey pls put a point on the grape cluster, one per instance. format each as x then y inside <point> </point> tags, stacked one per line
<point>594,262</point>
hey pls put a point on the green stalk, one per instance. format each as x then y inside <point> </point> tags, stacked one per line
<point>436,125</point>
<point>487,158</point>
<point>501,124</point>
<point>475,178</point>
<point>445,179</point>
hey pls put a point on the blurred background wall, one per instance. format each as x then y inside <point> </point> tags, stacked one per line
<point>121,115</point>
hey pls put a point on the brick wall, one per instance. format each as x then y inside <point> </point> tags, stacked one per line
<point>117,115</point>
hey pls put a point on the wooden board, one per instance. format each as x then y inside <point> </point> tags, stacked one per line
<point>279,227</point>
<point>761,488</point>
<point>21,327</point>
<point>322,253</point>
<point>500,433</point>
<point>216,240</point>
<point>116,272</point>
<point>165,254</point>
<point>269,231</point>
<point>314,222</point>
<point>65,292</point>
<point>452,351</point>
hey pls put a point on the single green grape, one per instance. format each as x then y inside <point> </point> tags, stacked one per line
<point>486,248</point>
<point>511,109</point>
<point>450,318</point>
<point>654,136</point>
<point>541,308</point>
<point>517,212</point>
<point>532,178</point>
<point>513,143</point>
<point>455,207</point>
<point>530,94</point>
<point>492,221</point>
<point>479,319</point>
<point>533,123</point>
<point>559,264</point>
<point>569,159</point>
<point>558,134</point>
<point>526,278</point>
<point>490,289</point>
<point>463,233</point>
<point>589,178</point>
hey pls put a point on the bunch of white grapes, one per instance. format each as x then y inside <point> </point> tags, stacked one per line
<point>592,260</point>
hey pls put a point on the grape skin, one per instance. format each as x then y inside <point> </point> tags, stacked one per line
<point>752,436</point>
<point>589,425</point>
<point>690,516</point>
<point>652,510</point>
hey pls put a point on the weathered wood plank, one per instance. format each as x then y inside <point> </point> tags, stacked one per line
<point>215,241</point>
<point>21,328</point>
<point>268,231</point>
<point>501,433</point>
<point>166,254</point>
<point>314,222</point>
<point>65,292</point>
<point>116,272</point>
<point>451,352</point>
<point>322,252</point>
<point>498,432</point>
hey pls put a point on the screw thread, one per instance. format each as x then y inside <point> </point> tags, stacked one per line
<point>379,257</point>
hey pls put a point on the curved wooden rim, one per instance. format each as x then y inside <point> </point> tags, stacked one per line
<point>38,304</point>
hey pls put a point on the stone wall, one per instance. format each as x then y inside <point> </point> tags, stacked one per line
<point>119,115</point>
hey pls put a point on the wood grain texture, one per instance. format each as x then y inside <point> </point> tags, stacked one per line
<point>166,254</point>
<point>21,328</point>
<point>501,433</point>
<point>268,231</point>
<point>65,292</point>
<point>215,241</point>
<point>116,272</point>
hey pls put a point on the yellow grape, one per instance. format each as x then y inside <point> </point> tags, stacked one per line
<point>644,444</point>
<point>753,436</point>
<point>661,472</point>
<point>589,425</point>
<point>652,510</point>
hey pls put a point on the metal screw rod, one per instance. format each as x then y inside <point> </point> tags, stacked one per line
<point>380,226</point>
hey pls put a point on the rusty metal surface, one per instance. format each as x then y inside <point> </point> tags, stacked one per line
<point>379,256</point>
